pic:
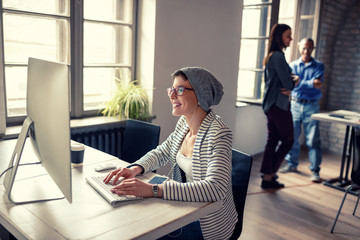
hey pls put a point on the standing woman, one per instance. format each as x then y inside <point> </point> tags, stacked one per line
<point>276,105</point>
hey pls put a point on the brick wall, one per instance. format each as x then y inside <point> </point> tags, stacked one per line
<point>339,49</point>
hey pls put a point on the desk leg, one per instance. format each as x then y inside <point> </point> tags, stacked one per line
<point>349,156</point>
<point>342,181</point>
<point>344,155</point>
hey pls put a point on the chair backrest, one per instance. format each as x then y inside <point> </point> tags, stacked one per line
<point>355,172</point>
<point>139,138</point>
<point>241,168</point>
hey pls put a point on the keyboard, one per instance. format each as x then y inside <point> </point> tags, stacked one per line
<point>97,182</point>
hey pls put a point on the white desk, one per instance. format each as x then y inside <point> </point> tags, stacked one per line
<point>90,216</point>
<point>351,120</point>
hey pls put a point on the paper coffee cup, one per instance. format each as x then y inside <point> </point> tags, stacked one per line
<point>77,153</point>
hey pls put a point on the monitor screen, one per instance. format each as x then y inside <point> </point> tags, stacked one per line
<point>48,127</point>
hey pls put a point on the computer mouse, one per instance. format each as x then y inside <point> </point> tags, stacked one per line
<point>104,166</point>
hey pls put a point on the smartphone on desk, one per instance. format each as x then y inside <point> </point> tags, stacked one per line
<point>158,179</point>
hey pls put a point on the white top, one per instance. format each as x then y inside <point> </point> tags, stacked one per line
<point>185,163</point>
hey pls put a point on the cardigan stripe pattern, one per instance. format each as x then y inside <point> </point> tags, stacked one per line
<point>211,172</point>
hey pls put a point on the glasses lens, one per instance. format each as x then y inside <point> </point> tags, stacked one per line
<point>179,91</point>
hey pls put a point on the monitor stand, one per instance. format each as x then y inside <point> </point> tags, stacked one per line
<point>28,190</point>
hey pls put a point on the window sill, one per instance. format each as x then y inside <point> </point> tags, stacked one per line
<point>93,121</point>
<point>13,131</point>
<point>241,102</point>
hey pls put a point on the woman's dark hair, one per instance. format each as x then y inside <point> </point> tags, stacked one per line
<point>275,39</point>
<point>179,73</point>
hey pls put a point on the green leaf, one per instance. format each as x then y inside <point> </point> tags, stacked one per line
<point>129,100</point>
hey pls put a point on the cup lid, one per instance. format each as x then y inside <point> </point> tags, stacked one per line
<point>77,146</point>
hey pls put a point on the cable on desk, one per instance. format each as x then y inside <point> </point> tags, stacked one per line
<point>21,164</point>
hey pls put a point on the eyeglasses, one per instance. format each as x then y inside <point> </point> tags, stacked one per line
<point>179,91</point>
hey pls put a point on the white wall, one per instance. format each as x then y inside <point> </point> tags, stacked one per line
<point>202,33</point>
<point>146,45</point>
<point>251,129</point>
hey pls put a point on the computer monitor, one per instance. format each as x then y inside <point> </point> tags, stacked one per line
<point>48,126</point>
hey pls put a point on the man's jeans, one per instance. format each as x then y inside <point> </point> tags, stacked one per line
<point>301,114</point>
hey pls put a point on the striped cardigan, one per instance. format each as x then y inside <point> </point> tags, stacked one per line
<point>211,171</point>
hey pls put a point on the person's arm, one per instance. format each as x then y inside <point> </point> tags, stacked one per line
<point>316,81</point>
<point>161,155</point>
<point>218,175</point>
<point>137,187</point>
<point>149,162</point>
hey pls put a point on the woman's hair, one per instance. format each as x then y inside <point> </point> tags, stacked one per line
<point>275,40</point>
<point>179,73</point>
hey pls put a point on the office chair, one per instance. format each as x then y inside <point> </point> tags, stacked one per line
<point>241,168</point>
<point>139,138</point>
<point>355,173</point>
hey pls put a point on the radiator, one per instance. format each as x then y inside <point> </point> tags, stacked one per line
<point>105,138</point>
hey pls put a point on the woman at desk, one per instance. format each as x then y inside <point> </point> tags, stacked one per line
<point>199,151</point>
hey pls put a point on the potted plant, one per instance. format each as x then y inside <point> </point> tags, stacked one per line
<point>129,100</point>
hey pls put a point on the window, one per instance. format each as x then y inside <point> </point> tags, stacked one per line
<point>108,48</point>
<point>301,15</point>
<point>253,46</point>
<point>95,40</point>
<point>37,28</point>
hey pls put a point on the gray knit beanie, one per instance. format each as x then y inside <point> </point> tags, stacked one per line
<point>208,89</point>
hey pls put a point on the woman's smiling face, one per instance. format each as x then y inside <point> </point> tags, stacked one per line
<point>187,102</point>
<point>286,37</point>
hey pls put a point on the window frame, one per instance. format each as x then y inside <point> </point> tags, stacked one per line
<point>16,120</point>
<point>298,17</point>
<point>78,90</point>
<point>76,55</point>
<point>275,7</point>
<point>273,19</point>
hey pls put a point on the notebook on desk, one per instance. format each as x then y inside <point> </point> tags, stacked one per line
<point>105,191</point>
<point>337,115</point>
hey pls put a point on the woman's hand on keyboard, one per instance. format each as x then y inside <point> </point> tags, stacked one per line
<point>120,172</point>
<point>135,187</point>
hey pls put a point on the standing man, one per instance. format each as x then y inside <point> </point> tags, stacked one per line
<point>304,102</point>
